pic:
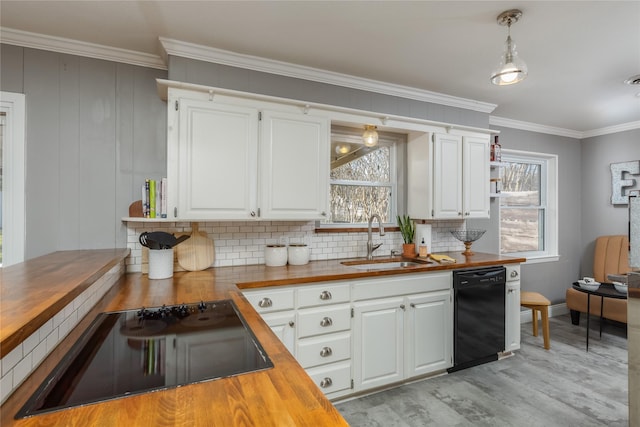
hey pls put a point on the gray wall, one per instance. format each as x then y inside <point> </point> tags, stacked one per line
<point>216,75</point>
<point>549,278</point>
<point>599,216</point>
<point>95,130</point>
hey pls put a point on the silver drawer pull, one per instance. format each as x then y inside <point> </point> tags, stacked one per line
<point>291,323</point>
<point>265,302</point>
<point>326,352</point>
<point>327,382</point>
<point>326,321</point>
<point>325,295</point>
<point>514,274</point>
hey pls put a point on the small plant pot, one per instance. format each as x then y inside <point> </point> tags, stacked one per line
<point>409,250</point>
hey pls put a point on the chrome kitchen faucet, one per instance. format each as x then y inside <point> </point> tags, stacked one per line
<point>370,246</point>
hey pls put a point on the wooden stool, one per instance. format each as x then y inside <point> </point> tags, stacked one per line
<point>537,302</point>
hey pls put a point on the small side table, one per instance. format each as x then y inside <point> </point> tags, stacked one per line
<point>606,290</point>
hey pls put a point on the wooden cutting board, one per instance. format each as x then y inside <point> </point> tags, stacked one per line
<point>197,252</point>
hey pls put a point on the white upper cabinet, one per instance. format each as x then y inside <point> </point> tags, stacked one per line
<point>294,162</point>
<point>225,163</point>
<point>213,161</point>
<point>476,176</point>
<point>448,176</point>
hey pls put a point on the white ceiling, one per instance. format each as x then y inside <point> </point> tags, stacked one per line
<point>578,53</point>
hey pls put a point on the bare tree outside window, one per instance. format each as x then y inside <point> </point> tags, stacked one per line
<point>361,186</point>
<point>522,208</point>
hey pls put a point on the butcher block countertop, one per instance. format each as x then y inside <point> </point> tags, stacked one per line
<point>281,396</point>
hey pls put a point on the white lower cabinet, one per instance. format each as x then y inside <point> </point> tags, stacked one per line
<point>402,336</point>
<point>512,309</point>
<point>368,333</point>
<point>429,333</point>
<point>283,325</point>
<point>378,349</point>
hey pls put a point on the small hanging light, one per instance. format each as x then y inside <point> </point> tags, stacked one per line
<point>370,136</point>
<point>342,148</point>
<point>511,68</point>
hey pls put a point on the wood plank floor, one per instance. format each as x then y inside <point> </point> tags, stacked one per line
<point>565,386</point>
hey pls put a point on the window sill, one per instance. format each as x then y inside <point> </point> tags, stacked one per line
<point>539,259</point>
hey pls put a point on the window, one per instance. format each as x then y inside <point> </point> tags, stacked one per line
<point>12,176</point>
<point>363,180</point>
<point>528,205</point>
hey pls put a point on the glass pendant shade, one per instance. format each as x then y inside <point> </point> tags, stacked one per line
<point>511,68</point>
<point>370,136</point>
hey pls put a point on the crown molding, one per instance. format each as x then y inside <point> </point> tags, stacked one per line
<point>75,47</point>
<point>533,127</point>
<point>224,57</point>
<point>612,129</point>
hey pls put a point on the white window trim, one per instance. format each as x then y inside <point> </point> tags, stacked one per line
<point>550,182</point>
<point>13,203</point>
<point>396,169</point>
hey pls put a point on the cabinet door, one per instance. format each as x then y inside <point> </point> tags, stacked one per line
<point>216,170</point>
<point>512,316</point>
<point>378,342</point>
<point>283,325</point>
<point>429,332</point>
<point>447,176</point>
<point>294,166</point>
<point>476,176</point>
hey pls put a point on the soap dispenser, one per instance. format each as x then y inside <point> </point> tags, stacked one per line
<point>422,251</point>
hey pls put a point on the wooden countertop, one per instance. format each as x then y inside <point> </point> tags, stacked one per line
<point>282,396</point>
<point>32,292</point>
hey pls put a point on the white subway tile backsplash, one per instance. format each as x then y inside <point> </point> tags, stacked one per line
<point>242,243</point>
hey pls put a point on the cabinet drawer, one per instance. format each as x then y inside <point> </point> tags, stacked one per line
<point>332,378</point>
<point>310,296</point>
<point>271,300</point>
<point>324,349</point>
<point>324,320</point>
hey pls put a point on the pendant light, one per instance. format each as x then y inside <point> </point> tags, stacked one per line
<point>511,69</point>
<point>370,136</point>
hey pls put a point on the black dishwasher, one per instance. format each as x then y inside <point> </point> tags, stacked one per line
<point>478,316</point>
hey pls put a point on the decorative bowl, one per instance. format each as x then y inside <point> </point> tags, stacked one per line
<point>467,237</point>
<point>590,286</point>
<point>620,287</point>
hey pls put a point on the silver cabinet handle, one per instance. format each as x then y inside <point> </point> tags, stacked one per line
<point>511,291</point>
<point>265,302</point>
<point>325,295</point>
<point>514,273</point>
<point>327,382</point>
<point>326,321</point>
<point>412,305</point>
<point>253,213</point>
<point>402,306</point>
<point>323,214</point>
<point>291,323</point>
<point>326,352</point>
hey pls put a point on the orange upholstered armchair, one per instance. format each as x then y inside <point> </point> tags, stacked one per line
<point>611,257</point>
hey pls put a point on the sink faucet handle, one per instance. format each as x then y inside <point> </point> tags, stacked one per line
<point>395,252</point>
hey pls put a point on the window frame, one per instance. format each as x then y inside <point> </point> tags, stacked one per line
<point>13,180</point>
<point>548,202</point>
<point>397,174</point>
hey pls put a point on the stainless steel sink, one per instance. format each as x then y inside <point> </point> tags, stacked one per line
<point>370,266</point>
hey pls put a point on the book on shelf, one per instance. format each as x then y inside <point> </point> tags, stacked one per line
<point>154,198</point>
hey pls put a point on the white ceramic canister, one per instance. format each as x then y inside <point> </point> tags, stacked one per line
<point>275,255</point>
<point>298,254</point>
<point>160,263</point>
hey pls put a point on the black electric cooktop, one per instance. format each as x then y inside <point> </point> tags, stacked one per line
<point>136,351</point>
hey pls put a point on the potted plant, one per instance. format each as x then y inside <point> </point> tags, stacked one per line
<point>408,231</point>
